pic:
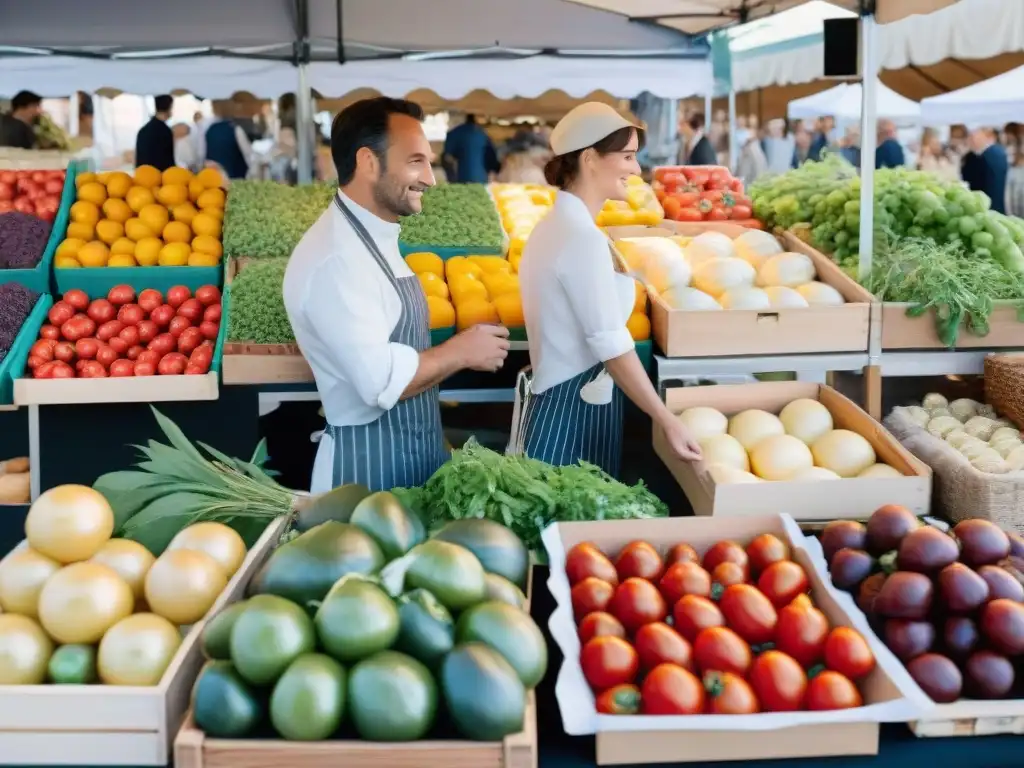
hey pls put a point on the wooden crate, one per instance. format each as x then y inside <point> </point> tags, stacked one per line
<point>114,725</point>
<point>902,332</point>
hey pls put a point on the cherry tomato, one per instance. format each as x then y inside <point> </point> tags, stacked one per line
<point>178,325</point>
<point>162,315</point>
<point>765,550</point>
<point>719,649</point>
<point>118,344</point>
<point>637,602</point>
<point>741,211</point>
<point>109,329</point>
<point>609,661</point>
<point>783,581</point>
<point>121,294</point>
<point>92,370</point>
<point>727,574</point>
<point>192,369</point>
<point>178,295</point>
<point>831,690</point>
<point>729,694</point>
<point>685,578</point>
<point>201,358</point>
<point>60,313</point>
<point>718,213</point>
<point>149,356</point>
<point>34,362</point>
<point>145,368</point>
<point>585,560</point>
<point>131,314</point>
<point>192,309</point>
<point>640,559</point>
<point>150,299</point>
<point>209,330</point>
<point>78,299</point>
<point>101,311</point>
<point>80,366</point>
<point>801,632</point>
<point>848,653</point>
<point>49,332</point>
<point>106,355</point>
<point>779,682</point>
<point>44,349</point>
<point>189,340</point>
<point>61,370</point>
<point>148,330</point>
<point>591,595</point>
<point>212,313</point>
<point>163,344</point>
<point>208,294</point>
<point>671,690</point>
<point>681,553</point>
<point>693,613</point>
<point>64,351</point>
<point>657,643</point>
<point>172,364</point>
<point>44,370</point>
<point>689,214</point>
<point>749,612</point>
<point>725,552</point>
<point>87,348</point>
<point>133,352</point>
<point>120,368</point>
<point>599,624</point>
<point>130,335</point>
<point>619,700</point>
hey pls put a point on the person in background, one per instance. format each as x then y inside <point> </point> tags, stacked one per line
<point>849,146</point>
<point>779,146</point>
<point>751,163</point>
<point>1015,180</point>
<point>469,154</point>
<point>985,168</point>
<point>226,143</point>
<point>695,148</point>
<point>17,127</point>
<point>934,159</point>
<point>184,148</point>
<point>889,152</point>
<point>154,144</point>
<point>823,129</point>
<point>743,132</point>
<point>801,146</point>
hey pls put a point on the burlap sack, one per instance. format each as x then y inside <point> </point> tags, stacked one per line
<point>960,491</point>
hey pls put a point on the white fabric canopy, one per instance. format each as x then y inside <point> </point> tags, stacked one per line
<point>991,102</point>
<point>844,101</point>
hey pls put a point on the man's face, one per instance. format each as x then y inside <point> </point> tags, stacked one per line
<point>407,173</point>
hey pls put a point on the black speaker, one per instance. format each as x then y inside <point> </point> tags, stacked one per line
<point>842,48</point>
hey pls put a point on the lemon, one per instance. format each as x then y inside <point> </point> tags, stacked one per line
<point>117,210</point>
<point>147,251</point>
<point>118,184</point>
<point>210,178</point>
<point>510,310</point>
<point>93,192</point>
<point>121,260</point>
<point>474,312</point>
<point>442,313</point>
<point>212,198</point>
<point>433,285</point>
<point>491,264</point>
<point>177,232</point>
<point>205,224</point>
<point>195,189</point>
<point>122,247</point>
<point>70,246</point>
<point>215,213</point>
<point>184,213</point>
<point>94,254</point>
<point>208,245</point>
<point>135,229</point>
<point>147,176</point>
<point>463,288</point>
<point>155,217</point>
<point>425,262</point>
<point>66,262</point>
<point>85,212</point>
<point>84,178</point>
<point>176,176</point>
<point>498,283</point>
<point>138,198</point>
<point>109,231</point>
<point>203,260</point>
<point>174,255</point>
<point>172,194</point>
<point>81,231</point>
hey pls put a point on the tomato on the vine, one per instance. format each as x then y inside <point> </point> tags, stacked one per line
<point>685,578</point>
<point>801,632</point>
<point>779,682</point>
<point>681,553</point>
<point>619,700</point>
<point>719,649</point>
<point>637,602</point>
<point>725,552</point>
<point>693,613</point>
<point>600,624</point>
<point>765,550</point>
<point>831,690</point>
<point>671,690</point>
<point>657,643</point>
<point>781,582</point>
<point>591,594</point>
<point>749,613</point>
<point>640,559</point>
<point>729,694</point>
<point>609,661</point>
<point>847,652</point>
<point>585,560</point>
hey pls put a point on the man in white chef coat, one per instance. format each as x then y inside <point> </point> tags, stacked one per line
<point>360,315</point>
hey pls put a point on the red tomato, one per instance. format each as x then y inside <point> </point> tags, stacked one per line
<point>609,661</point>
<point>44,349</point>
<point>719,649</point>
<point>687,199</point>
<point>130,335</point>
<point>725,552</point>
<point>671,690</point>
<point>133,352</point>
<point>619,700</point>
<point>689,214</point>
<point>637,602</point>
<point>145,369</point>
<point>189,340</point>
<point>106,356</point>
<point>61,370</point>
<point>640,559</point>
<point>741,212</point>
<point>53,187</point>
<point>671,206</point>
<point>801,633</point>
<point>24,204</point>
<point>150,299</point>
<point>212,313</point>
<point>209,330</point>
<point>848,653</point>
<point>749,612</point>
<point>779,682</point>
<point>201,358</point>
<point>713,195</point>
<point>44,370</point>
<point>64,351</point>
<point>49,332</point>
<point>685,578</point>
<point>694,613</point>
<point>78,299</point>
<point>194,370</point>
<point>831,690</point>
<point>172,364</point>
<point>9,177</point>
<point>149,356</point>
<point>101,311</point>
<point>121,294</point>
<point>657,643</point>
<point>208,295</point>
<point>600,624</point>
<point>192,309</point>
<point>87,348</point>
<point>78,327</point>
<point>131,314</point>
<point>109,330</point>
<point>121,368</point>
<point>590,595</point>
<point>783,581</point>
<point>178,324</point>
<point>6,192</point>
<point>681,553</point>
<point>162,315</point>
<point>80,366</point>
<point>765,550</point>
<point>35,362</point>
<point>178,295</point>
<point>585,560</point>
<point>164,343</point>
<point>727,574</point>
<point>729,694</point>
<point>92,370</point>
<point>148,330</point>
<point>60,313</point>
<point>118,344</point>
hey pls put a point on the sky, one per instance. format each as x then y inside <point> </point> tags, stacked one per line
<point>803,20</point>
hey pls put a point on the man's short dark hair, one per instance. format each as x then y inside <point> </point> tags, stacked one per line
<point>24,99</point>
<point>164,103</point>
<point>696,121</point>
<point>365,124</point>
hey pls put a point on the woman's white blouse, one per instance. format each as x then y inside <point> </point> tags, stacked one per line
<point>574,302</point>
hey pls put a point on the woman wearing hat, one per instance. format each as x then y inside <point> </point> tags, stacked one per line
<point>576,304</point>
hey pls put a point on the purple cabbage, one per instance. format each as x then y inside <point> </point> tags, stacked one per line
<point>16,302</point>
<point>23,240</point>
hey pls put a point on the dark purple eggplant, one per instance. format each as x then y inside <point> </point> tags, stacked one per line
<point>988,675</point>
<point>1001,584</point>
<point>887,526</point>
<point>960,636</point>
<point>938,677</point>
<point>842,534</point>
<point>909,639</point>
<point>927,550</point>
<point>981,542</point>
<point>961,589</point>
<point>850,567</point>
<point>1002,624</point>
<point>905,595</point>
<point>1016,544</point>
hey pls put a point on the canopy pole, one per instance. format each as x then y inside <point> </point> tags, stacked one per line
<point>868,142</point>
<point>733,147</point>
<point>73,115</point>
<point>707,110</point>
<point>303,122</point>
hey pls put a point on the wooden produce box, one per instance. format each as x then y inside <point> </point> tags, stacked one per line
<point>262,363</point>
<point>902,332</point>
<point>638,739</point>
<point>856,498</point>
<point>114,725</point>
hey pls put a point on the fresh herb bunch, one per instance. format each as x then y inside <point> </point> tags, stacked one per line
<point>455,216</point>
<point>257,314</point>
<point>266,219</point>
<point>524,494</point>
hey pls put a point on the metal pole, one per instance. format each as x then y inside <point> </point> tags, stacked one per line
<point>733,146</point>
<point>303,122</point>
<point>73,114</point>
<point>707,110</point>
<point>868,140</point>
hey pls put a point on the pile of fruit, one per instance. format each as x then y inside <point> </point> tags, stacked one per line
<point>745,636</point>
<point>34,192</point>
<point>949,605</point>
<point>169,219</point>
<point>702,193</point>
<point>520,207</point>
<point>370,624</point>
<point>455,216</point>
<point>800,444</point>
<point>712,271</point>
<point>266,219</point>
<point>122,335</point>
<point>641,206</point>
<point>80,607</point>
<point>257,314</point>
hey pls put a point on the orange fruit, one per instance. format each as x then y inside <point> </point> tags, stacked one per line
<point>433,285</point>
<point>172,194</point>
<point>108,231</point>
<point>81,230</point>
<point>510,310</point>
<point>498,283</point>
<point>118,184</point>
<point>155,217</point>
<point>195,189</point>
<point>135,229</point>
<point>139,197</point>
<point>121,260</point>
<point>491,263</point>
<point>92,192</point>
<point>84,178</point>
<point>464,287</point>
<point>85,212</point>
<point>212,198</point>
<point>215,213</point>
<point>66,262</point>
<point>176,232</point>
<point>70,246</point>
<point>640,300</point>
<point>210,178</point>
<point>205,224</point>
<point>474,312</point>
<point>196,259</point>
<point>117,210</point>
<point>442,313</point>
<point>147,176</point>
<point>184,213</point>
<point>174,255</point>
<point>176,176</point>
<point>94,254</point>
<point>123,247</point>
<point>460,265</point>
<point>208,245</point>
<point>147,251</point>
<point>639,326</point>
<point>425,262</point>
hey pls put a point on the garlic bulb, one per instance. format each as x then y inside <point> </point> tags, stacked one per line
<point>964,408</point>
<point>936,412</point>
<point>940,426</point>
<point>958,437</point>
<point>934,400</point>
<point>981,427</point>
<point>1004,432</point>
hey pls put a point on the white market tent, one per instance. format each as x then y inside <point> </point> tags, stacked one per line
<point>991,102</point>
<point>844,104</point>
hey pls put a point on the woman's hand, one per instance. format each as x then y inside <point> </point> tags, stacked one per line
<point>680,439</point>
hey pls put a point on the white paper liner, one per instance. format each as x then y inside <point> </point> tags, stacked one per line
<point>576,700</point>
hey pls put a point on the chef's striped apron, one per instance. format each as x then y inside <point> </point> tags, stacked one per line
<point>405,446</point>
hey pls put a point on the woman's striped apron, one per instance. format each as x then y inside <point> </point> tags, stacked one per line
<point>405,446</point>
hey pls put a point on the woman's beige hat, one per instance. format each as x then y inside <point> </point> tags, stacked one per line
<point>586,125</point>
